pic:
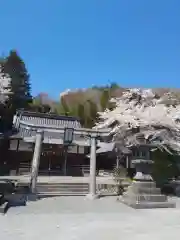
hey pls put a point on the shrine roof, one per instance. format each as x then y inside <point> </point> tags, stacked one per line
<point>26,124</point>
<point>46,119</point>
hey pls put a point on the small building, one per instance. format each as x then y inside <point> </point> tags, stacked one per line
<point>21,145</point>
<point>21,142</point>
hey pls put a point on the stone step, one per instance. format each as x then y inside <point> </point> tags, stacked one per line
<point>150,205</point>
<point>69,188</point>
<point>55,184</point>
<point>62,185</point>
<point>48,189</point>
<point>143,190</point>
<point>154,191</point>
<point>4,207</point>
<point>23,171</point>
<point>145,197</point>
<point>143,184</point>
<point>24,164</point>
<point>63,188</point>
<point>47,194</point>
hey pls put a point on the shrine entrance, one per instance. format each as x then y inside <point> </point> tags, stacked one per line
<point>51,160</point>
<point>41,129</point>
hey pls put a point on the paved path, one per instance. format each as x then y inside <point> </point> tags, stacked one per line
<point>70,218</point>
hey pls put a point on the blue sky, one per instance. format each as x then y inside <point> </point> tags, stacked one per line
<point>79,43</point>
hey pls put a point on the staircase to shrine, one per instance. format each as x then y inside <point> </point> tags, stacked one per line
<point>44,189</point>
<point>60,189</point>
<point>71,188</point>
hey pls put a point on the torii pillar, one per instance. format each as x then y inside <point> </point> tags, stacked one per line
<point>92,178</point>
<point>36,160</point>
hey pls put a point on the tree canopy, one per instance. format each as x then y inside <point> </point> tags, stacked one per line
<point>19,86</point>
<point>15,88</point>
<point>140,111</point>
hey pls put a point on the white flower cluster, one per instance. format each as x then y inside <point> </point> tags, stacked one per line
<point>155,117</point>
<point>4,84</point>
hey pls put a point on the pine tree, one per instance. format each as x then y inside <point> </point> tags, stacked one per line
<point>92,115</point>
<point>20,87</point>
<point>64,107</point>
<point>104,99</point>
<point>81,114</point>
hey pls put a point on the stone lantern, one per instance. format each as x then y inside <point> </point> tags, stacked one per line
<point>143,169</point>
<point>143,193</point>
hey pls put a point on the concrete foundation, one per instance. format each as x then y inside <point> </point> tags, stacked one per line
<point>92,197</point>
<point>140,195</point>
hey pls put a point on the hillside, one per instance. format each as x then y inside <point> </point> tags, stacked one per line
<point>77,96</point>
<point>86,103</point>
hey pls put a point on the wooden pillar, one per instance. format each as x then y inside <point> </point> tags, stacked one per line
<point>18,164</point>
<point>36,160</point>
<point>117,162</point>
<point>92,178</point>
<point>127,162</point>
<point>65,160</point>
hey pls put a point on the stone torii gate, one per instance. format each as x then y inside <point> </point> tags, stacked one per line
<point>93,136</point>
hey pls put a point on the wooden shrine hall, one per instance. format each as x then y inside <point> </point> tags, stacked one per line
<point>61,138</point>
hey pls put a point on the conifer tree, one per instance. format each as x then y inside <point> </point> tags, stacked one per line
<point>20,87</point>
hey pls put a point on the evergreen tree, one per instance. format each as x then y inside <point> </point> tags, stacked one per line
<point>104,99</point>
<point>20,87</point>
<point>92,116</point>
<point>64,107</point>
<point>81,114</point>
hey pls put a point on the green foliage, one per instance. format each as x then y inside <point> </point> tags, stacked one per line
<point>20,84</point>
<point>19,87</point>
<point>38,106</point>
<point>92,114</point>
<point>114,86</point>
<point>81,114</point>
<point>65,108</point>
<point>164,167</point>
<point>104,99</point>
<point>86,109</point>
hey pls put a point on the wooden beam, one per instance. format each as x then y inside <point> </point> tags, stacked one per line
<point>77,131</point>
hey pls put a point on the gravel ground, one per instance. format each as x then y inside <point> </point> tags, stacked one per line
<point>78,218</point>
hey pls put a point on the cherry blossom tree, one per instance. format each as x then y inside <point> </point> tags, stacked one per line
<point>142,112</point>
<point>4,86</point>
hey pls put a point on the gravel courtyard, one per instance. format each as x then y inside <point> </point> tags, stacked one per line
<point>68,218</point>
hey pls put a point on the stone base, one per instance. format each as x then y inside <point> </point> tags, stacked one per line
<point>4,207</point>
<point>142,195</point>
<point>92,196</point>
<point>16,199</point>
<point>149,205</point>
